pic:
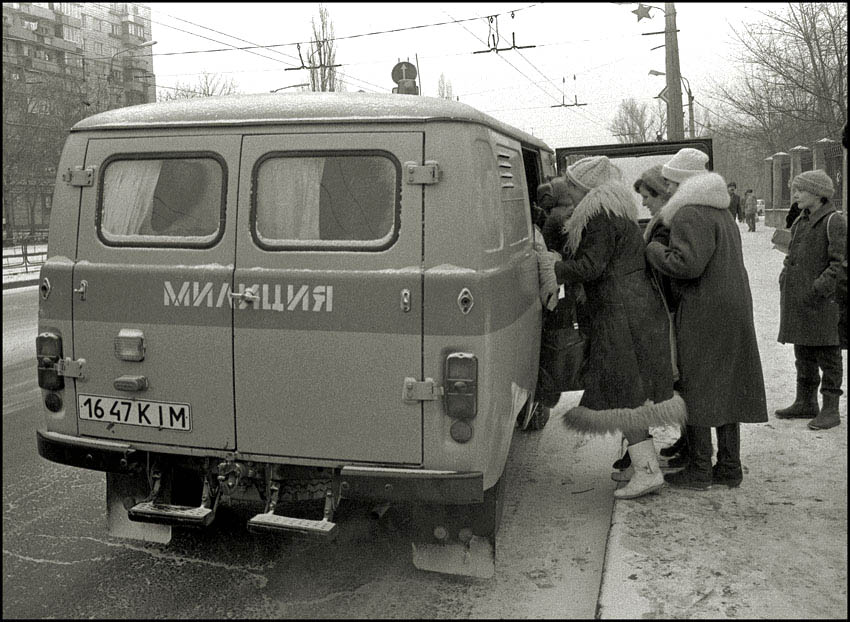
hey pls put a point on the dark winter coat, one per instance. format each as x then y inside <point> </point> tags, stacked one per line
<point>627,375</point>
<point>719,364</point>
<point>809,310</point>
<point>553,228</point>
<point>659,232</point>
<point>734,204</point>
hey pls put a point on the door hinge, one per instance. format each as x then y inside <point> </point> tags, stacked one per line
<point>421,391</point>
<point>70,368</point>
<point>79,176</point>
<point>428,173</point>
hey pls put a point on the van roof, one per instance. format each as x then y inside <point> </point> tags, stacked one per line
<point>288,108</point>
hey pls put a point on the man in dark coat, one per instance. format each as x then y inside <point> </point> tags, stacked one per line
<point>735,202</point>
<point>809,308</point>
<point>720,372</point>
<point>627,375</point>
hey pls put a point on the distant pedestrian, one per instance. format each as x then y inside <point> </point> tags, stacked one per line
<point>720,372</point>
<point>735,202</point>
<point>627,375</point>
<point>750,210</point>
<point>809,308</point>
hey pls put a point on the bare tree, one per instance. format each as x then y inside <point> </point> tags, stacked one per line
<point>38,112</point>
<point>207,85</point>
<point>444,87</point>
<point>323,75</point>
<point>633,122</point>
<point>791,87</point>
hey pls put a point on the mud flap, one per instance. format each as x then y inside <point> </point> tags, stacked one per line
<point>477,558</point>
<point>120,487</point>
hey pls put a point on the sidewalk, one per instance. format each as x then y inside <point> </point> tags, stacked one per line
<point>775,548</point>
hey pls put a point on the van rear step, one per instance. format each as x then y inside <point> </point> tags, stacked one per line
<point>272,522</point>
<point>164,514</point>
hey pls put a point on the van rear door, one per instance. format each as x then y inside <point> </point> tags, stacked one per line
<point>152,315</point>
<point>634,158</point>
<point>329,322</point>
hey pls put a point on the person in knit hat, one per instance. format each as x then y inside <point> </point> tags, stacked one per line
<point>720,372</point>
<point>809,306</point>
<point>627,374</point>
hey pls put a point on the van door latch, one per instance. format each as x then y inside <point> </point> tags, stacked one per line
<point>79,176</point>
<point>428,173</point>
<point>70,368</point>
<point>421,391</point>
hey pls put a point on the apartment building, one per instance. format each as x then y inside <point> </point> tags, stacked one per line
<point>63,61</point>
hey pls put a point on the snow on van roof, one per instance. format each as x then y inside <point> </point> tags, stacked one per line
<point>295,107</point>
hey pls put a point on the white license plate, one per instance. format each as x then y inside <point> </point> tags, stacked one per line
<point>163,415</point>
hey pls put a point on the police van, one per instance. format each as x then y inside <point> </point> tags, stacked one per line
<point>303,297</point>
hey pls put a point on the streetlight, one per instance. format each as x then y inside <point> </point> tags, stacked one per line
<point>145,44</point>
<point>291,86</point>
<point>687,84</point>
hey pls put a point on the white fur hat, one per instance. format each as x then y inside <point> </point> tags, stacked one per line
<point>592,171</point>
<point>685,164</point>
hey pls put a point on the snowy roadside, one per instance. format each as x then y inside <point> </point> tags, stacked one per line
<point>774,548</point>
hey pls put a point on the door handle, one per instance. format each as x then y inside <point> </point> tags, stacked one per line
<point>405,300</point>
<point>248,295</point>
<point>82,290</point>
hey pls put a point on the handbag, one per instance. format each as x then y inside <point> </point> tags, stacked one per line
<point>563,349</point>
<point>840,294</point>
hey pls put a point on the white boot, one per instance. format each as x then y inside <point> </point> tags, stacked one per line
<point>647,474</point>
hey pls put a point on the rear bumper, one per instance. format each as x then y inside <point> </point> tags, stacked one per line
<point>355,482</point>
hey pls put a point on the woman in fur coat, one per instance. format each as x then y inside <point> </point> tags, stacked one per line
<point>627,375</point>
<point>720,373</point>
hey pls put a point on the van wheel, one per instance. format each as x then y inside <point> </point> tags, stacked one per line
<point>539,416</point>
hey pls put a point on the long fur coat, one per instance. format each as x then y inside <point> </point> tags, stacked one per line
<point>627,375</point>
<point>718,358</point>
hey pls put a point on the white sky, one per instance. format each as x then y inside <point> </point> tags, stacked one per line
<point>600,43</point>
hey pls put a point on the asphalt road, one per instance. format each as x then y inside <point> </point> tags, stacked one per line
<point>58,562</point>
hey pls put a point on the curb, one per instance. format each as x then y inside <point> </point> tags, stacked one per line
<point>19,284</point>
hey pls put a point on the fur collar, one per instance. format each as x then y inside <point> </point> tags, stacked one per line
<point>612,197</point>
<point>707,190</point>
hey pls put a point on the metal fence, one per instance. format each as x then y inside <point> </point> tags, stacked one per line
<point>30,254</point>
<point>782,167</point>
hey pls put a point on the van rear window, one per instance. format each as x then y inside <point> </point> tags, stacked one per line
<point>162,201</point>
<point>326,202</point>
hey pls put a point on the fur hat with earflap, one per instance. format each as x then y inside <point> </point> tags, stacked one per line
<point>605,193</point>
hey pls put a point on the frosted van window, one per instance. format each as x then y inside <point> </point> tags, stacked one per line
<point>330,202</point>
<point>171,201</point>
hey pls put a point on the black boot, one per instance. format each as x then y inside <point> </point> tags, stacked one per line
<point>678,447</point>
<point>805,405</point>
<point>728,469</point>
<point>697,475</point>
<point>828,416</point>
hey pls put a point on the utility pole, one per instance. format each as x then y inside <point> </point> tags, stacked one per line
<point>675,122</point>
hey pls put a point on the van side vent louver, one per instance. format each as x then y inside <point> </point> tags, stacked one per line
<point>505,170</point>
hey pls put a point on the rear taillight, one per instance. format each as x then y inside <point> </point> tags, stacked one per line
<point>461,393</point>
<point>48,350</point>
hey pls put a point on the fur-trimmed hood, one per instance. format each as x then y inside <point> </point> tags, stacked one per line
<point>708,190</point>
<point>612,197</point>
